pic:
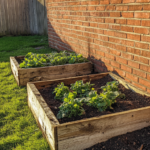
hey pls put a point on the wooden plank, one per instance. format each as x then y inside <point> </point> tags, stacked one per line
<point>20,16</point>
<point>23,81</point>
<point>45,27</point>
<point>27,17</point>
<point>8,14</point>
<point>2,18</point>
<point>0,21</point>
<point>128,85</point>
<point>36,29</point>
<point>23,17</point>
<point>13,15</point>
<point>6,17</point>
<point>30,15</point>
<point>19,30</point>
<point>43,115</point>
<point>40,14</point>
<point>14,67</point>
<point>57,70</point>
<point>70,80</point>
<point>10,17</point>
<point>85,133</point>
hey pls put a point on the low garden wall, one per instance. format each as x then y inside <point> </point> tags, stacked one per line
<point>113,34</point>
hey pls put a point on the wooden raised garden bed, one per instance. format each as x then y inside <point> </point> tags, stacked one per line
<point>25,75</point>
<point>84,133</point>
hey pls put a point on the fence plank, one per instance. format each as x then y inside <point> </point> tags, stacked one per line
<point>6,16</point>
<point>45,27</point>
<point>22,17</point>
<point>2,19</point>
<point>12,11</point>
<point>0,22</point>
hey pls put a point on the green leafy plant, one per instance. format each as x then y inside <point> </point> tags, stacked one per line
<point>60,90</point>
<point>81,59</point>
<point>111,86</point>
<point>52,59</point>
<point>104,100</point>
<point>59,60</point>
<point>68,96</point>
<point>81,88</point>
<point>33,60</point>
<point>72,59</point>
<point>70,108</point>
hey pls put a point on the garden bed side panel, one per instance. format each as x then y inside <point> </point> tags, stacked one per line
<point>51,72</point>
<point>82,134</point>
<point>67,81</point>
<point>15,68</point>
<point>54,72</point>
<point>43,115</point>
<point>128,85</point>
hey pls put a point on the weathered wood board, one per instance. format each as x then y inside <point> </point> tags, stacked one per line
<point>23,17</point>
<point>78,135</point>
<point>23,76</point>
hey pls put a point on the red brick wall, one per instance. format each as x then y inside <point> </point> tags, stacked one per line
<point>114,34</point>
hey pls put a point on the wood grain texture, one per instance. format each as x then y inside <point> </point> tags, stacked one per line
<point>23,17</point>
<point>78,135</point>
<point>43,115</point>
<point>14,68</point>
<point>51,72</point>
<point>2,19</point>
<point>68,81</point>
<point>85,133</point>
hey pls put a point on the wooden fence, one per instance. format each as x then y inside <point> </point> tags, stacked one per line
<point>23,17</point>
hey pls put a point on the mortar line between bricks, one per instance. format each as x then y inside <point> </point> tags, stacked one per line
<point>111,37</point>
<point>104,11</point>
<point>98,17</point>
<point>55,14</point>
<point>119,18</point>
<point>133,33</point>
<point>116,24</point>
<point>110,4</point>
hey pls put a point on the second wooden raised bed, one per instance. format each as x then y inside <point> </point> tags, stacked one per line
<point>78,135</point>
<point>25,75</point>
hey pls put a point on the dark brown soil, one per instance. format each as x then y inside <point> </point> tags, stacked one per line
<point>130,141</point>
<point>131,101</point>
<point>19,60</point>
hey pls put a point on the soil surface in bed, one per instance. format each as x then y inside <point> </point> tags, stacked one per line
<point>137,140</point>
<point>132,100</point>
<point>19,60</point>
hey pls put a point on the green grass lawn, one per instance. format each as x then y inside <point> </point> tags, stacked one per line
<point>18,128</point>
